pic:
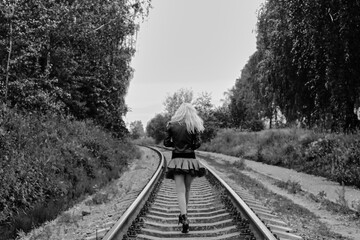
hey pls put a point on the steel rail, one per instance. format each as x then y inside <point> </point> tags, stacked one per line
<point>261,230</point>
<point>120,227</point>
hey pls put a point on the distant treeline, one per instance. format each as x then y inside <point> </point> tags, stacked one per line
<point>306,67</point>
<point>69,56</point>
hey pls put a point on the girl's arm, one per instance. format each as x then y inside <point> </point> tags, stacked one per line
<point>168,140</point>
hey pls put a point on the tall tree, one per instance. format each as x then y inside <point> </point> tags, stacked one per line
<point>173,102</point>
<point>205,109</point>
<point>136,130</point>
<point>156,127</point>
<point>310,60</point>
<point>244,106</point>
<point>202,104</point>
<point>70,56</point>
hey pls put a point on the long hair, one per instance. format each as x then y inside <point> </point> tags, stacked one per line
<point>187,114</point>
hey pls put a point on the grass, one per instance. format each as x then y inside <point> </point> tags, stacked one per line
<point>291,186</point>
<point>341,200</point>
<point>103,197</point>
<point>145,141</point>
<point>306,223</point>
<point>68,218</point>
<point>268,145</point>
<point>333,156</point>
<point>356,205</point>
<point>49,162</point>
<point>98,198</point>
<point>341,206</point>
<point>240,164</point>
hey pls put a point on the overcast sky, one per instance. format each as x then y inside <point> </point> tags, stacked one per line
<point>200,45</point>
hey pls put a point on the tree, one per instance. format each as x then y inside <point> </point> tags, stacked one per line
<point>203,104</point>
<point>173,102</point>
<point>156,127</point>
<point>69,57</point>
<point>136,130</point>
<point>204,108</point>
<point>309,61</point>
<point>221,117</point>
<point>244,106</point>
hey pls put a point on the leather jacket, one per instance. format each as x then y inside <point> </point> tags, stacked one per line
<point>183,142</point>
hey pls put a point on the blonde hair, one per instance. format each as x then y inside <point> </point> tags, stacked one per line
<point>187,113</point>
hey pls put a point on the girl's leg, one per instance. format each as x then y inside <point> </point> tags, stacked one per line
<point>180,189</point>
<point>188,181</point>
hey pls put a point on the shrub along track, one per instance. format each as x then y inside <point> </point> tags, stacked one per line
<point>215,211</point>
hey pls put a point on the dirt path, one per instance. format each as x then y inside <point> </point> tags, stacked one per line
<point>337,223</point>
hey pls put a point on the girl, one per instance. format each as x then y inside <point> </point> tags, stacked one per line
<point>183,134</point>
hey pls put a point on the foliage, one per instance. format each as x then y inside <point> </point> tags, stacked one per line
<point>221,117</point>
<point>356,206</point>
<point>309,61</point>
<point>98,198</point>
<point>305,67</point>
<point>254,125</point>
<point>173,102</point>
<point>291,186</point>
<point>232,142</point>
<point>279,148</point>
<point>240,164</point>
<point>64,72</point>
<point>69,56</point>
<point>212,118</point>
<point>203,105</point>
<point>334,156</point>
<point>49,161</point>
<point>244,106</point>
<point>205,108</point>
<point>156,127</point>
<point>136,130</point>
<point>145,141</point>
<point>293,213</point>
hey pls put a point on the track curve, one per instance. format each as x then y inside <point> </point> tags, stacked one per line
<point>215,211</point>
<point>129,218</point>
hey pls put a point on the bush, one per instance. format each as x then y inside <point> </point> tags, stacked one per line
<point>279,147</point>
<point>209,133</point>
<point>156,128</point>
<point>255,125</point>
<point>334,156</point>
<point>240,164</point>
<point>348,168</point>
<point>145,141</point>
<point>291,186</point>
<point>337,159</point>
<point>232,142</point>
<point>50,158</point>
<point>319,156</point>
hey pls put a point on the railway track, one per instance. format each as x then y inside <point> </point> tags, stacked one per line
<point>216,211</point>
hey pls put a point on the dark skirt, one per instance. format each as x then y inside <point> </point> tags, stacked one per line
<point>190,166</point>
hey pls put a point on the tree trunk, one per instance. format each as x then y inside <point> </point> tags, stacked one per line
<point>8,64</point>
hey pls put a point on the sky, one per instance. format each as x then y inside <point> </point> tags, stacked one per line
<point>199,45</point>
